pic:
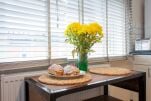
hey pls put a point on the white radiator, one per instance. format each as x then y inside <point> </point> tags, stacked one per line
<point>12,85</point>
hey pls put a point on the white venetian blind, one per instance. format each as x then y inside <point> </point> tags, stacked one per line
<point>95,11</point>
<point>116,28</point>
<point>23,30</point>
<point>62,12</point>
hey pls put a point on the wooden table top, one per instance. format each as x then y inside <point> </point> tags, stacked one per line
<point>97,80</point>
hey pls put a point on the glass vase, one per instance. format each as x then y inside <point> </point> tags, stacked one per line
<point>82,61</point>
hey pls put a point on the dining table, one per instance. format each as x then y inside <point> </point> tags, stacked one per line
<point>135,81</point>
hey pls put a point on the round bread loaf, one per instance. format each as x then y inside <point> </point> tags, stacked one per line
<point>56,70</point>
<point>71,70</point>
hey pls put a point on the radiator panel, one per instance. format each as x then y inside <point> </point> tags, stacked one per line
<point>12,86</point>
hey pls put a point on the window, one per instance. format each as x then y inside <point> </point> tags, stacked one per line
<point>23,30</point>
<point>116,28</point>
<point>24,26</point>
<point>62,13</point>
<point>95,11</point>
<point>110,14</point>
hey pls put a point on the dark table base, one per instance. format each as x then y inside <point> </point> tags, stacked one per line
<point>36,91</point>
<point>103,98</point>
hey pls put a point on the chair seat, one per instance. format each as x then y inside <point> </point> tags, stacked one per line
<point>103,98</point>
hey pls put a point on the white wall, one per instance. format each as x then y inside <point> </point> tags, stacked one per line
<point>138,22</point>
<point>138,13</point>
<point>148,19</point>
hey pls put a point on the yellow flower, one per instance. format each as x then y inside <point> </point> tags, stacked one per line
<point>73,28</point>
<point>78,29</point>
<point>84,29</point>
<point>83,36</point>
<point>96,28</point>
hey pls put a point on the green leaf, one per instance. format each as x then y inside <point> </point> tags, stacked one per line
<point>91,51</point>
<point>73,52</point>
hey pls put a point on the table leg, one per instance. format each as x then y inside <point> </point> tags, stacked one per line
<point>26,91</point>
<point>52,98</point>
<point>106,90</point>
<point>142,88</point>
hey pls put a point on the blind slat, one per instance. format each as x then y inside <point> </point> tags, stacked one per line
<point>62,13</point>
<point>23,30</point>
<point>95,11</point>
<point>116,28</point>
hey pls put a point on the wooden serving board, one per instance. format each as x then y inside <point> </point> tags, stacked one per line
<point>54,81</point>
<point>112,71</point>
